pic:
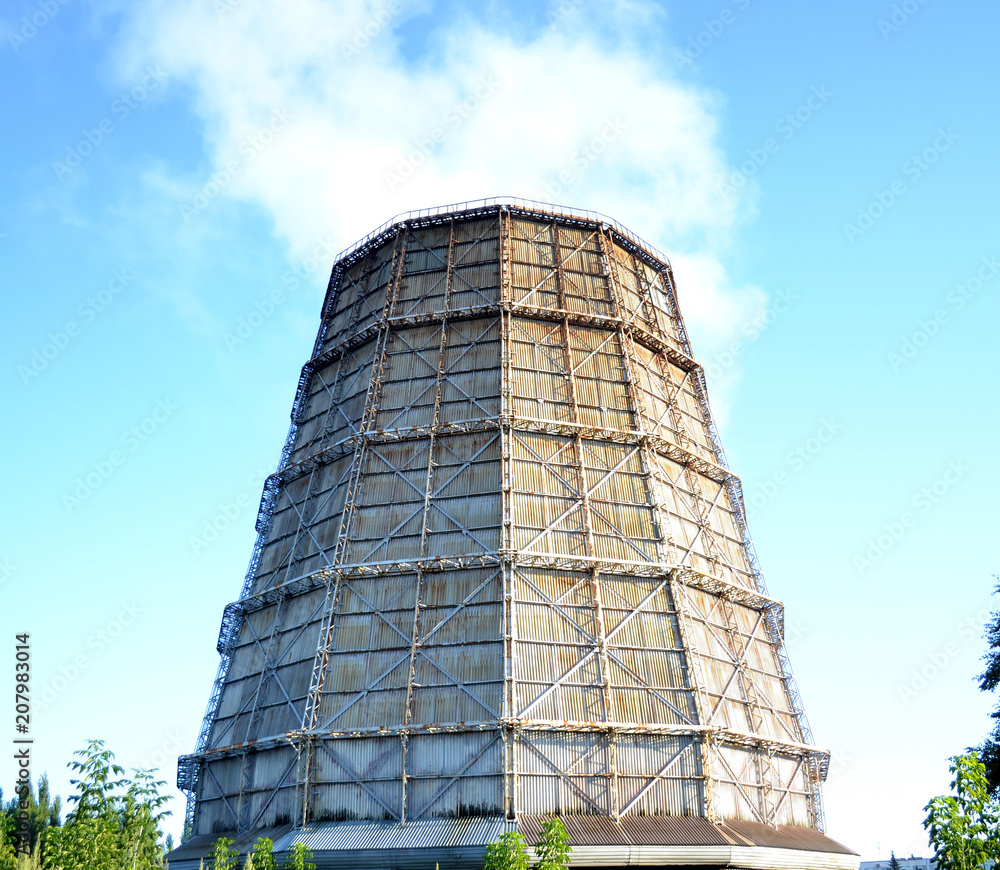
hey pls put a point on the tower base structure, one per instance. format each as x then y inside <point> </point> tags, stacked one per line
<point>503,573</point>
<point>460,844</point>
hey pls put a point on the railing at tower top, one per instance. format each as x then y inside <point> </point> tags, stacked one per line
<point>528,205</point>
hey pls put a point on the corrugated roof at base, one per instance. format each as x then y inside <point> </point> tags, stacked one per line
<point>459,843</point>
<point>198,847</point>
<point>632,830</point>
<point>418,834</point>
<point>682,831</point>
<point>788,837</point>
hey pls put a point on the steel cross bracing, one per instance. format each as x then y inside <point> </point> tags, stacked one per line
<point>773,616</point>
<point>267,672</point>
<point>740,647</point>
<point>311,713</point>
<point>694,676</point>
<point>428,489</point>
<point>586,509</point>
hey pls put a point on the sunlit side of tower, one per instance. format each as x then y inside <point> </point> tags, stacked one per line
<point>502,573</point>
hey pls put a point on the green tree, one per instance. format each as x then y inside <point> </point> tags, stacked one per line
<point>507,853</point>
<point>140,817</point>
<point>43,812</point>
<point>989,680</point>
<point>553,849</point>
<point>262,857</point>
<point>115,821</point>
<point>893,861</point>
<point>223,855</point>
<point>299,859</point>
<point>8,857</point>
<point>964,827</point>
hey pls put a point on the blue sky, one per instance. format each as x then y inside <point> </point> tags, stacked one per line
<point>177,178</point>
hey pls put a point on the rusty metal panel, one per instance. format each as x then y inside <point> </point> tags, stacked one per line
<point>565,773</point>
<point>362,287</point>
<point>454,776</point>
<point>360,778</point>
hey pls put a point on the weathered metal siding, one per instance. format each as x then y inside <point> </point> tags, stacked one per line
<point>502,569</point>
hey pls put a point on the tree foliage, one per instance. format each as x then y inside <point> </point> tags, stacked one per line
<point>507,853</point>
<point>299,858</point>
<point>964,827</point>
<point>262,857</point>
<point>552,849</point>
<point>223,856</point>
<point>893,861</point>
<point>8,857</point>
<point>989,680</point>
<point>42,811</point>
<point>115,821</point>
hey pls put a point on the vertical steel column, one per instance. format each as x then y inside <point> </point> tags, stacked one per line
<point>507,567</point>
<point>591,549</point>
<point>694,676</point>
<point>310,717</point>
<point>428,489</point>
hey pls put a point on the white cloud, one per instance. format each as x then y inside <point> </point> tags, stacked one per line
<point>571,114</point>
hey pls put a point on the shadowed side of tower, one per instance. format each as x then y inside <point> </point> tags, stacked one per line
<point>502,572</point>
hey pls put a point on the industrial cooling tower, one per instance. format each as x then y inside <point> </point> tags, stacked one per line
<point>503,573</point>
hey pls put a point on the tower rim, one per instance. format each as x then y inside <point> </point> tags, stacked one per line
<point>488,205</point>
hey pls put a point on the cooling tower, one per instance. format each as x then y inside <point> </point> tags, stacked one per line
<point>503,573</point>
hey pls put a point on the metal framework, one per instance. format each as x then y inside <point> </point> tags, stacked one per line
<point>503,568</point>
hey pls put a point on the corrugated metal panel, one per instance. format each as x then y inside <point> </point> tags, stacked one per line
<point>481,232</point>
<point>416,834</point>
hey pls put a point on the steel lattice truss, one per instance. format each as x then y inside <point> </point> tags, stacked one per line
<point>503,568</point>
